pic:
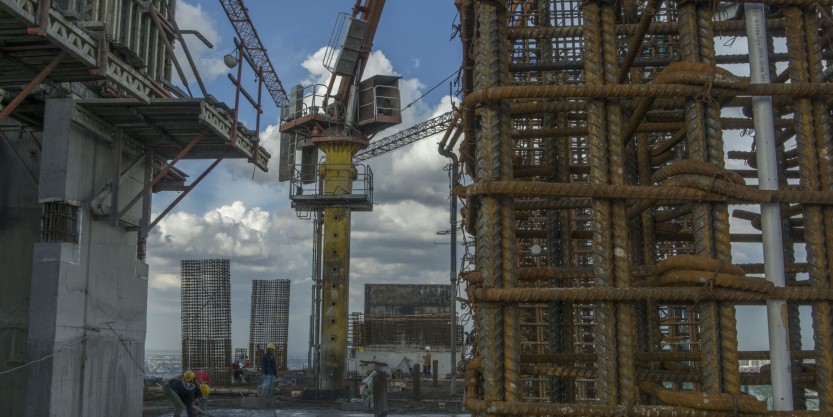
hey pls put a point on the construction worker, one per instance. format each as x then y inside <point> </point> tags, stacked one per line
<point>269,368</point>
<point>204,391</point>
<point>182,392</point>
<point>426,362</point>
<point>202,378</point>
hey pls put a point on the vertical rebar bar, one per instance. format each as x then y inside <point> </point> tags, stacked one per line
<point>696,149</point>
<point>489,165</point>
<point>813,223</point>
<point>604,323</point>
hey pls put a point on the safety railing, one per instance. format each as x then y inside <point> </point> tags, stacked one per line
<point>308,189</point>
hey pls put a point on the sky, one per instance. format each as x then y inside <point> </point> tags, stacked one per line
<point>244,215</point>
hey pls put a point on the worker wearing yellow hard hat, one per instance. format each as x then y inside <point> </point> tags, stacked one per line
<point>204,391</point>
<point>269,368</point>
<point>182,392</point>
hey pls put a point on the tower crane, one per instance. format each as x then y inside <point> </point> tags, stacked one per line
<point>338,119</point>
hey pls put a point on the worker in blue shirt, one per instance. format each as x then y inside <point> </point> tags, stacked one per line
<point>269,368</point>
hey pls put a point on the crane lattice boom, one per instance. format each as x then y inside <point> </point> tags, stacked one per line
<point>238,14</point>
<point>406,137</point>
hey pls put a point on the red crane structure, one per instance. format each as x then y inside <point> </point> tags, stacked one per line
<point>250,42</point>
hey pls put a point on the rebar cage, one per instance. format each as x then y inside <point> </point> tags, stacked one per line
<point>206,318</point>
<point>616,137</point>
<point>269,322</point>
<point>379,332</point>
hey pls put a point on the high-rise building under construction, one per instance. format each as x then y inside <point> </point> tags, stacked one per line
<point>269,321</point>
<point>206,318</point>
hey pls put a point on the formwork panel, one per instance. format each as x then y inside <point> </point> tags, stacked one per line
<point>206,318</point>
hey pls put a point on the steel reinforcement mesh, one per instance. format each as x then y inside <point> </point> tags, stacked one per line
<point>269,321</point>
<point>206,318</point>
<point>391,332</point>
<point>614,204</point>
<point>240,354</point>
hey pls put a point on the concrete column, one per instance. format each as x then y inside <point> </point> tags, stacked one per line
<point>435,371</point>
<point>88,299</point>
<point>19,230</point>
<point>380,395</point>
<point>416,374</point>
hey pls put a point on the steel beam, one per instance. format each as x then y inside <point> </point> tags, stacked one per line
<point>187,190</point>
<point>162,174</point>
<point>31,86</point>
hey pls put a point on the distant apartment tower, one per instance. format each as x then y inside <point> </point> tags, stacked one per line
<point>206,318</point>
<point>269,320</point>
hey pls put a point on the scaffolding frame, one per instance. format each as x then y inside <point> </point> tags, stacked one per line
<point>206,318</point>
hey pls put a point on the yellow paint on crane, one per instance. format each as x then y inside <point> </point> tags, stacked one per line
<point>337,172</point>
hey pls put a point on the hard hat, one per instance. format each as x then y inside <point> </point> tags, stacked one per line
<point>270,346</point>
<point>428,348</point>
<point>188,375</point>
<point>205,390</point>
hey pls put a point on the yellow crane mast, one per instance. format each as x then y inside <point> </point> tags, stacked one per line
<point>338,119</point>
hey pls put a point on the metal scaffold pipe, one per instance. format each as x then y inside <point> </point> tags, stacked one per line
<point>770,213</point>
<point>453,275</point>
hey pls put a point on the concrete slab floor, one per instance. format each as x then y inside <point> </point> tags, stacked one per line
<point>434,401</point>
<point>308,413</point>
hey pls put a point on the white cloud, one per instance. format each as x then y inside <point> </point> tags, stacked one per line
<point>209,62</point>
<point>378,64</point>
<point>227,231</point>
<point>164,282</point>
<point>314,64</point>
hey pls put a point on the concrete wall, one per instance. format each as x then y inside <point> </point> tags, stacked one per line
<point>19,230</point>
<point>87,305</point>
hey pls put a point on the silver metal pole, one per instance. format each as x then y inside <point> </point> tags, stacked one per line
<point>779,353</point>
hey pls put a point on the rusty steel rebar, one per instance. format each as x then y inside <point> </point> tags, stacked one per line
<point>647,90</point>
<point>692,188</point>
<point>678,294</point>
<point>602,281</point>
